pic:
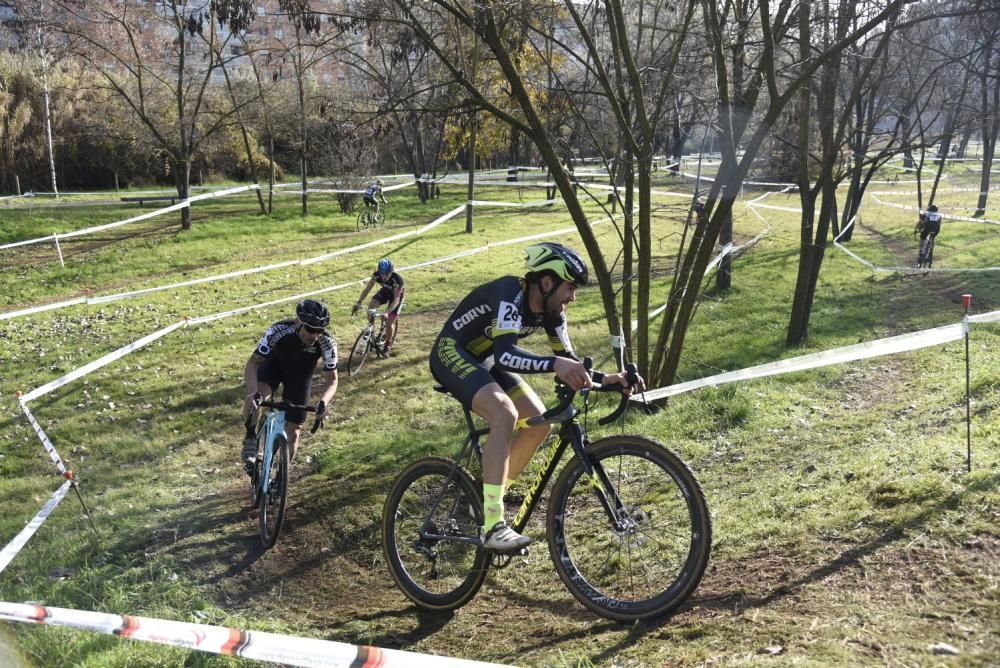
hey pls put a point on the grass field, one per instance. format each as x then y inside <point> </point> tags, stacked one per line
<point>846,528</point>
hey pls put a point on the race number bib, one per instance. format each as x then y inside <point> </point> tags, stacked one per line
<point>508,317</point>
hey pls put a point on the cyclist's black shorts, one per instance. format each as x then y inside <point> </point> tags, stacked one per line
<point>370,201</point>
<point>463,375</point>
<point>930,229</point>
<point>296,387</point>
<point>384,296</point>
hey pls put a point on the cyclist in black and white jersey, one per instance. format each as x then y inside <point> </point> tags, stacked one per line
<point>391,291</point>
<point>286,355</point>
<point>476,357</point>
<point>928,223</point>
<point>373,194</point>
<point>928,226</point>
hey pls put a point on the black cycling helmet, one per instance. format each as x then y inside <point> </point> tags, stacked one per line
<point>564,262</point>
<point>932,207</point>
<point>312,314</point>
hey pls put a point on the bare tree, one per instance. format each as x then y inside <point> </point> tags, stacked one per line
<point>159,60</point>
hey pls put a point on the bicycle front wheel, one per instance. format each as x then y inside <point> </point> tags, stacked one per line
<point>652,557</point>
<point>272,502</point>
<point>255,483</point>
<point>430,534</point>
<point>359,352</point>
<point>378,220</point>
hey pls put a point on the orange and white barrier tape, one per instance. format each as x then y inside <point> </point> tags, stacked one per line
<point>259,645</point>
<point>42,436</point>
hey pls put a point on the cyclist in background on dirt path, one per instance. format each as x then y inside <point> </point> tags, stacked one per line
<point>928,225</point>
<point>477,359</point>
<point>391,292</point>
<point>286,355</point>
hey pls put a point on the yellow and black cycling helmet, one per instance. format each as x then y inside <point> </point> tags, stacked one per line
<point>564,262</point>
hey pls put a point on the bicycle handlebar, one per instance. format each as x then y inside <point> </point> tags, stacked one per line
<point>564,410</point>
<point>633,377</point>
<point>284,406</point>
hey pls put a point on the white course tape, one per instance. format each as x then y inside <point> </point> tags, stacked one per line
<point>397,186</point>
<point>544,202</point>
<point>98,363</point>
<point>20,540</point>
<point>992,316</point>
<point>258,645</point>
<point>726,250</point>
<point>431,225</point>
<point>218,277</point>
<point>946,216</point>
<point>42,436</point>
<point>888,346</point>
<point>158,212</point>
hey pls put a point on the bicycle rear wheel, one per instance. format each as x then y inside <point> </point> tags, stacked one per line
<point>364,219</point>
<point>359,351</point>
<point>272,503</point>
<point>430,534</point>
<point>654,559</point>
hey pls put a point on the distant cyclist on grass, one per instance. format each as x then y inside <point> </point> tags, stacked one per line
<point>476,357</point>
<point>928,226</point>
<point>287,356</point>
<point>390,292</point>
<point>373,194</point>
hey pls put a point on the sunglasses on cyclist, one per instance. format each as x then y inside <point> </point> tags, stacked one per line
<point>313,330</point>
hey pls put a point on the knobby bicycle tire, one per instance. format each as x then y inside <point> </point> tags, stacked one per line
<point>359,352</point>
<point>272,504</point>
<point>255,482</point>
<point>656,559</point>
<point>365,218</point>
<point>435,573</point>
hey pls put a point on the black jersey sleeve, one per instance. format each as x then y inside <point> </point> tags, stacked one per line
<point>511,357</point>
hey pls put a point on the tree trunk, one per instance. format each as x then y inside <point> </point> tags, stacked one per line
<point>944,147</point>
<point>627,262</point>
<point>991,125</point>
<point>184,191</point>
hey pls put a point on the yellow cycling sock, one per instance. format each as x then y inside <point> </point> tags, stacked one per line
<point>492,505</point>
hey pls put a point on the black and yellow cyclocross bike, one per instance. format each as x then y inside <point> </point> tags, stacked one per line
<point>628,527</point>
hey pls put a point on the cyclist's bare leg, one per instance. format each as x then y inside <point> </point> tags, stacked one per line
<point>493,405</point>
<point>499,410</point>
<point>293,430</point>
<point>527,440</point>
<point>392,323</point>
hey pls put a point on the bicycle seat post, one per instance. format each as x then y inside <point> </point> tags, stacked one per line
<point>468,419</point>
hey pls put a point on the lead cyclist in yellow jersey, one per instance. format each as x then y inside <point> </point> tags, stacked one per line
<point>476,357</point>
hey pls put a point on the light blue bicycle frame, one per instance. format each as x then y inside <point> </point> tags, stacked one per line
<point>274,424</point>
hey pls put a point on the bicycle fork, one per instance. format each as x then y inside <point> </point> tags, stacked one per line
<point>599,481</point>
